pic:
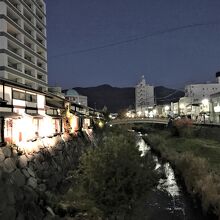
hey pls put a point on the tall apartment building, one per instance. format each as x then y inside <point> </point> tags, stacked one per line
<point>144,96</point>
<point>23,45</point>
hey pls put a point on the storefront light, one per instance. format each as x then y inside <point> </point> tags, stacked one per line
<point>217,108</point>
<point>139,113</point>
<point>167,108</point>
<point>205,101</point>
<point>182,106</point>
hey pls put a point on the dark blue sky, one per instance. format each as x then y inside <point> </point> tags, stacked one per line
<point>171,59</point>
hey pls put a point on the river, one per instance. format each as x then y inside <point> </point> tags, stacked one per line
<point>168,200</point>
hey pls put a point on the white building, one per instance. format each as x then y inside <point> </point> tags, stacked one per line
<point>23,46</point>
<point>73,96</point>
<point>197,99</point>
<point>25,112</point>
<point>144,97</point>
<point>198,92</point>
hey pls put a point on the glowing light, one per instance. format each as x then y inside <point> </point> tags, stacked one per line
<point>205,101</point>
<point>154,112</point>
<point>167,108</point>
<point>217,108</point>
<point>139,113</point>
<point>146,113</point>
<point>100,124</point>
<point>74,123</point>
<point>151,115</point>
<point>182,106</point>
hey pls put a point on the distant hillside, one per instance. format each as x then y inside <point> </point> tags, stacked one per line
<point>116,99</point>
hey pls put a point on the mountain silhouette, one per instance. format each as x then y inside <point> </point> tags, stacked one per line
<point>116,99</point>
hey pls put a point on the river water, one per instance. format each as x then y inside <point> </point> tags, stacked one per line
<point>168,200</point>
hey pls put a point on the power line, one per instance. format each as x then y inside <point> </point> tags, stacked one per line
<point>169,95</point>
<point>137,38</point>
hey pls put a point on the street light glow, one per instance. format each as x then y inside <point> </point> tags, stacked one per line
<point>205,101</point>
<point>182,106</point>
<point>167,108</point>
<point>139,113</point>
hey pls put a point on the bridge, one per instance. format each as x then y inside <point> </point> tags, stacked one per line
<point>138,121</point>
<point>161,121</point>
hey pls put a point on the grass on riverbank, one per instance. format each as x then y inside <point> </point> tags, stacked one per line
<point>197,161</point>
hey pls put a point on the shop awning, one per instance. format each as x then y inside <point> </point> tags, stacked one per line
<point>9,115</point>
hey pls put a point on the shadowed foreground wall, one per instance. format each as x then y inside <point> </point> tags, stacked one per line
<point>27,178</point>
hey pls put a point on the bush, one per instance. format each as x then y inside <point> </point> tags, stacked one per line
<point>200,181</point>
<point>182,128</point>
<point>113,175</point>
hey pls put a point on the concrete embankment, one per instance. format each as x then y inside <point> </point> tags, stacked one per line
<point>29,177</point>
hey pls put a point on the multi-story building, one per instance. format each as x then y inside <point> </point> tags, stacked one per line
<point>144,97</point>
<point>25,112</point>
<point>23,45</point>
<point>197,99</point>
<point>198,92</point>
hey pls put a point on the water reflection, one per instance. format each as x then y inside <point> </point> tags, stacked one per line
<point>167,199</point>
<point>142,146</point>
<point>168,183</point>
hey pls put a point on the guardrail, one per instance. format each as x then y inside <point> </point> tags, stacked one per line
<point>139,120</point>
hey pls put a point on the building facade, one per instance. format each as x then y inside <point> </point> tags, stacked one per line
<point>23,44</point>
<point>144,97</point>
<point>198,92</point>
<point>26,113</point>
<point>73,96</point>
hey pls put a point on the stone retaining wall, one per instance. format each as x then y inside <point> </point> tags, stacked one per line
<point>28,176</point>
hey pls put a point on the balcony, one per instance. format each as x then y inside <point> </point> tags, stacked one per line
<point>15,4</point>
<point>41,65</point>
<point>13,32</point>
<point>41,41</point>
<point>28,16</point>
<point>28,4</point>
<point>28,30</point>
<point>13,64</point>
<point>28,44</point>
<point>13,17</point>
<point>40,16</point>
<point>29,72</point>
<point>41,77</point>
<point>29,58</point>
<point>14,49</point>
<point>41,52</point>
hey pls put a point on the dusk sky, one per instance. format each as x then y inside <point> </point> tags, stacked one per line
<point>84,50</point>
